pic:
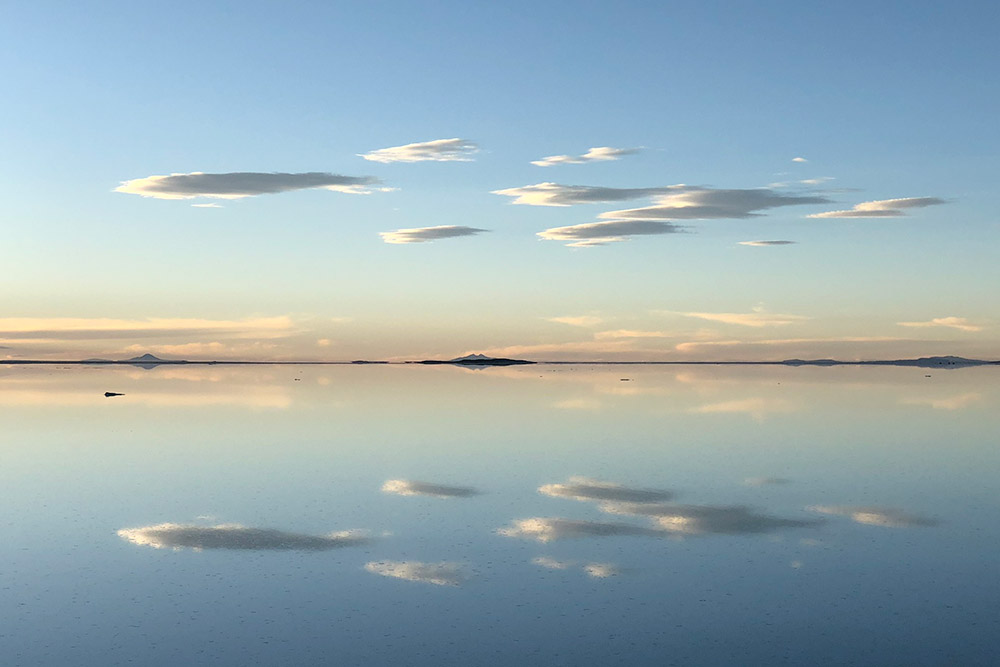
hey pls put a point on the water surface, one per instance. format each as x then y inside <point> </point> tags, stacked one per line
<point>556,515</point>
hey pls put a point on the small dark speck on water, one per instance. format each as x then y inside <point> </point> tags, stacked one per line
<point>109,394</point>
<point>624,379</point>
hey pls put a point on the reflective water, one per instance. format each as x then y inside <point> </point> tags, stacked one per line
<point>556,515</point>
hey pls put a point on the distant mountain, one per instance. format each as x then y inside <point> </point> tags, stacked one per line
<point>479,360</point>
<point>922,362</point>
<point>147,359</point>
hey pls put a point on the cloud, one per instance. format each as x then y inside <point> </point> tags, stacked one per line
<point>212,205</point>
<point>439,150</point>
<point>958,402</point>
<point>424,234</point>
<point>600,233</point>
<point>882,208</point>
<point>545,529</point>
<point>78,328</point>
<point>959,323</point>
<point>705,519</point>
<point>554,194</point>
<point>552,564</point>
<point>799,159</point>
<point>696,203</point>
<point>596,154</point>
<point>757,407</point>
<point>583,488</point>
<point>237,185</point>
<point>628,333</point>
<point>602,570</point>
<point>876,516</point>
<point>405,487</point>
<point>234,536</point>
<point>754,319</point>
<point>766,481</point>
<point>440,574</point>
<point>577,321</point>
<point>767,243</point>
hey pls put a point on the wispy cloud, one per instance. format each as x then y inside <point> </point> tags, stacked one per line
<point>601,233</point>
<point>767,243</point>
<point>555,194</point>
<point>234,536</point>
<point>72,328</point>
<point>629,333</point>
<point>237,185</point>
<point>545,529</point>
<point>584,488</point>
<point>799,159</point>
<point>958,402</point>
<point>882,208</point>
<point>596,154</point>
<point>877,516</point>
<point>959,323</point>
<point>212,205</point>
<point>705,519</point>
<point>439,150</point>
<point>695,203</point>
<point>406,487</point>
<point>425,234</point>
<point>757,407</point>
<point>754,319</point>
<point>577,320</point>
<point>439,574</point>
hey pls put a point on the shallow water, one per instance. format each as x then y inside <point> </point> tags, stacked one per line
<point>556,515</point>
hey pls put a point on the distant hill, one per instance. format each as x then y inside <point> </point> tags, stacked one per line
<point>147,358</point>
<point>922,362</point>
<point>478,360</point>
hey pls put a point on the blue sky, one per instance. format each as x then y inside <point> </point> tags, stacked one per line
<point>884,101</point>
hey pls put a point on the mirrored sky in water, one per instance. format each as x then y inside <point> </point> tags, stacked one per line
<point>534,515</point>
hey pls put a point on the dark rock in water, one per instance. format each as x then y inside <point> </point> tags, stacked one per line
<point>109,394</point>
<point>474,360</point>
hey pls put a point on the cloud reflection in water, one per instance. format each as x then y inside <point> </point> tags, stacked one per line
<point>706,519</point>
<point>876,516</point>
<point>439,574</point>
<point>546,529</point>
<point>405,487</point>
<point>234,536</point>
<point>583,488</point>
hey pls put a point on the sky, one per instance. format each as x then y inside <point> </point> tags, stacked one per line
<point>552,181</point>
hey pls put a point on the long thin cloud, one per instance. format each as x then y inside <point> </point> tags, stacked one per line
<point>236,185</point>
<point>754,319</point>
<point>555,194</point>
<point>596,154</point>
<point>426,234</point>
<point>584,488</point>
<point>70,328</point>
<point>693,203</point>
<point>959,323</point>
<point>766,243</point>
<point>601,233</point>
<point>439,574</point>
<point>882,208</point>
<point>406,487</point>
<point>234,536</point>
<point>877,516</point>
<point>439,150</point>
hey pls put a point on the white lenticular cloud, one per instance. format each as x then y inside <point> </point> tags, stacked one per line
<point>602,233</point>
<point>439,574</point>
<point>577,321</point>
<point>406,487</point>
<point>959,323</point>
<point>799,159</point>
<point>584,488</point>
<point>766,243</point>
<point>555,194</point>
<point>237,185</point>
<point>234,536</point>
<point>439,150</point>
<point>596,154</point>
<point>882,208</point>
<point>886,517</point>
<point>427,234</point>
<point>695,203</point>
